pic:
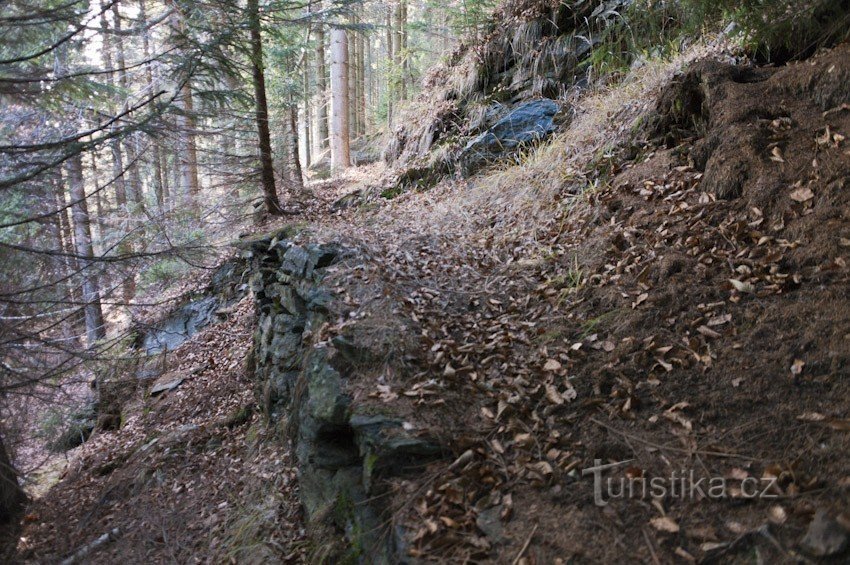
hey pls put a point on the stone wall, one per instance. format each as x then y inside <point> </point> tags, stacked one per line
<point>345,452</point>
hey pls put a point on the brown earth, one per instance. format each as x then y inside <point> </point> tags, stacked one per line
<point>690,314</point>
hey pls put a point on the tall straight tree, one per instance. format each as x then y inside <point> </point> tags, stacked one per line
<point>340,148</point>
<point>390,61</point>
<point>160,189</point>
<point>321,84</point>
<point>262,111</point>
<point>95,328</point>
<point>190,178</point>
<point>135,184</point>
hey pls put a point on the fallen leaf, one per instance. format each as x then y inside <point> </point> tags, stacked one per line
<point>640,300</point>
<point>552,365</point>
<point>523,440</point>
<point>803,194</point>
<point>777,515</point>
<point>741,286</point>
<point>553,396</point>
<point>811,417</point>
<point>665,524</point>
<point>708,332</point>
<point>776,155</point>
<point>797,367</point>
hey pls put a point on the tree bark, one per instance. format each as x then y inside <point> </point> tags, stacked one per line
<point>361,82</point>
<point>340,144</point>
<point>405,58</point>
<point>390,67</point>
<point>12,497</point>
<point>95,328</point>
<point>130,149</point>
<point>297,172</point>
<point>306,141</point>
<point>353,117</point>
<point>190,180</point>
<point>67,247</point>
<point>322,128</point>
<point>115,143</point>
<point>160,189</point>
<point>262,112</point>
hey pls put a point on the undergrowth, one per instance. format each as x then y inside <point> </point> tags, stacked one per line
<point>774,31</point>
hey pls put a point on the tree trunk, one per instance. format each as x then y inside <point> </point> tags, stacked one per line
<point>67,247</point>
<point>159,187</point>
<point>321,86</point>
<point>307,114</point>
<point>12,497</point>
<point>100,213</point>
<point>361,81</point>
<point>95,328</point>
<point>262,111</point>
<point>340,149</point>
<point>390,67</point>
<point>297,172</point>
<point>135,184</point>
<point>114,144</point>
<point>353,123</point>
<point>191,183</point>
<point>399,50</point>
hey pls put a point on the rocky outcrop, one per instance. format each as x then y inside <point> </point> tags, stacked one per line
<point>173,330</point>
<point>527,123</point>
<point>305,375</point>
<point>534,55</point>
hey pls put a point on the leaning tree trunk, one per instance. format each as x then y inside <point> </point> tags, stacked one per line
<point>340,149</point>
<point>262,111</point>
<point>12,497</point>
<point>95,328</point>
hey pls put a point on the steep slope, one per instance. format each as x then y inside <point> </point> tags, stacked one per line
<point>661,288</point>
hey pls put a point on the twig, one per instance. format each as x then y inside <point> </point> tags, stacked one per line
<point>651,547</point>
<point>669,447</point>
<point>525,545</point>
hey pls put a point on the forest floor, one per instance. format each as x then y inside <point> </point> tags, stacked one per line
<point>688,315</point>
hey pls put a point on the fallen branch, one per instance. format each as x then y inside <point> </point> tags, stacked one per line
<point>84,551</point>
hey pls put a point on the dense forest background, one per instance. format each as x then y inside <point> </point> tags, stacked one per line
<point>139,135</point>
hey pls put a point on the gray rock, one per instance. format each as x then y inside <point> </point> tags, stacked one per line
<point>825,537</point>
<point>527,123</point>
<point>180,325</point>
<point>159,388</point>
<point>295,261</point>
<point>489,521</point>
<point>328,403</point>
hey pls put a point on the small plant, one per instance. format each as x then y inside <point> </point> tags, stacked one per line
<point>163,272</point>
